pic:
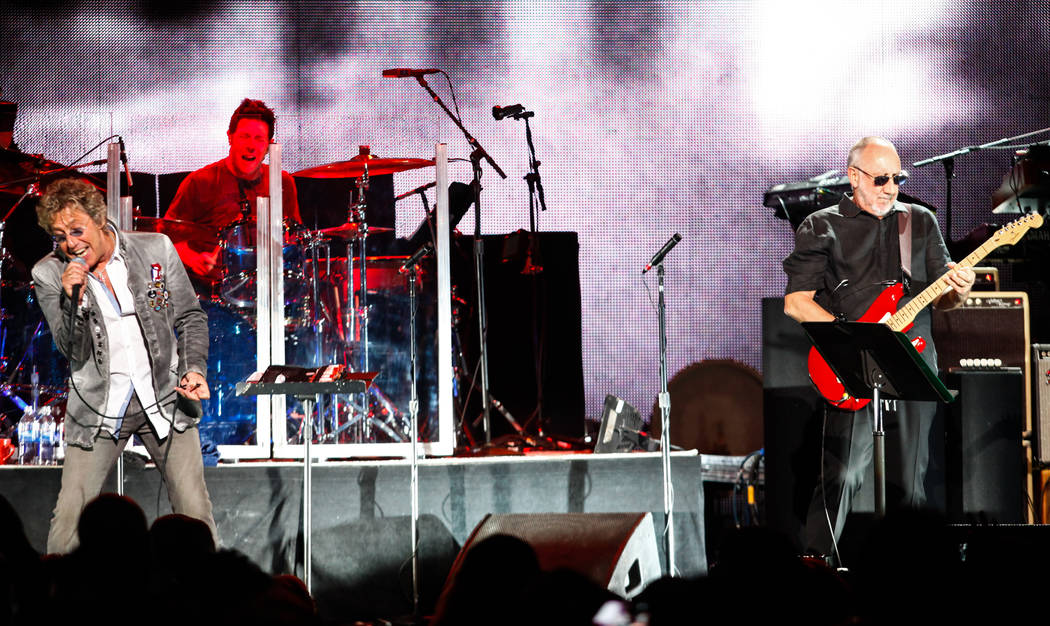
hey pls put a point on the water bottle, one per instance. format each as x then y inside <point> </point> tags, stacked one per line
<point>28,437</point>
<point>47,437</point>
<point>60,441</point>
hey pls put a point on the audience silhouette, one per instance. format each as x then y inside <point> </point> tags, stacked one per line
<point>914,568</point>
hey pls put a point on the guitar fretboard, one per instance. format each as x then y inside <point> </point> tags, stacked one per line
<point>906,315</point>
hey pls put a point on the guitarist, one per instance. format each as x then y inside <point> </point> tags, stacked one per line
<point>844,257</point>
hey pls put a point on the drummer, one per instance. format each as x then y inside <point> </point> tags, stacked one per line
<point>219,194</point>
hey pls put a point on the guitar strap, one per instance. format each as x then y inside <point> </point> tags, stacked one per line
<point>904,231</point>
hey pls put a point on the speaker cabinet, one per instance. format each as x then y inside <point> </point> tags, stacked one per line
<point>985,465</point>
<point>792,415</point>
<point>1041,397</point>
<point>534,330</point>
<point>616,550</point>
<point>1041,425</point>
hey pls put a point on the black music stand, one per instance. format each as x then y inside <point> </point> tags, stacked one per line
<point>279,380</point>
<point>870,360</point>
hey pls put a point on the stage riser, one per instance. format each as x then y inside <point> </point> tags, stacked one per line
<point>361,514</point>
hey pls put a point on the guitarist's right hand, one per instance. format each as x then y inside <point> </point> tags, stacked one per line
<point>801,307</point>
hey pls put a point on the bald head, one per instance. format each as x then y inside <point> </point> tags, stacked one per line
<point>869,158</point>
<point>863,144</point>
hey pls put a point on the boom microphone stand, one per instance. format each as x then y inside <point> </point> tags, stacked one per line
<point>948,161</point>
<point>533,266</point>
<point>477,154</point>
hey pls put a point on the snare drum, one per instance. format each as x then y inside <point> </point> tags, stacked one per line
<point>237,288</point>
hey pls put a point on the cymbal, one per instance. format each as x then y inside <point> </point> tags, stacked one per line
<point>350,230</point>
<point>21,168</point>
<point>176,230</point>
<point>356,167</point>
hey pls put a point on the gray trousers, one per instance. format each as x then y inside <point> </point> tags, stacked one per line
<point>178,457</point>
<point>848,455</point>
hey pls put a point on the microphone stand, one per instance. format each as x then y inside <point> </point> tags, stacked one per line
<point>535,184</point>
<point>532,262</point>
<point>948,161</point>
<point>665,430</point>
<point>477,154</point>
<point>413,409</point>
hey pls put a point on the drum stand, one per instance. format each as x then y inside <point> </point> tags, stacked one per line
<point>363,420</point>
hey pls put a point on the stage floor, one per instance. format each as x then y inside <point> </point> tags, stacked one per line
<point>361,513</point>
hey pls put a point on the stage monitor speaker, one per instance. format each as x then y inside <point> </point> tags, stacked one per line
<point>985,471</point>
<point>621,427</point>
<point>1041,395</point>
<point>615,550</point>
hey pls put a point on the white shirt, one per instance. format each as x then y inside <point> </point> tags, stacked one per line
<point>129,363</point>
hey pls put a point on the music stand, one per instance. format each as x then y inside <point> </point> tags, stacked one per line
<point>871,359</point>
<point>296,381</point>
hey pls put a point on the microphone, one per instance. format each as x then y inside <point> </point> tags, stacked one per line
<point>419,189</point>
<point>76,288</point>
<point>416,258</point>
<point>659,256</point>
<point>499,112</point>
<point>406,72</point>
<point>73,305</point>
<point>124,160</point>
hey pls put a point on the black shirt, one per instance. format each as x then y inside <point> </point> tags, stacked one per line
<point>849,256</point>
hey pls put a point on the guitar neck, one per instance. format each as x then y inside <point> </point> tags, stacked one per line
<point>906,315</point>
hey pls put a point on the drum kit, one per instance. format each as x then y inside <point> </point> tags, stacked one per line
<point>336,294</point>
<point>330,296</point>
<point>341,304</point>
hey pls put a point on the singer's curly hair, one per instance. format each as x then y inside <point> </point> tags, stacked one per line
<point>253,110</point>
<point>70,193</point>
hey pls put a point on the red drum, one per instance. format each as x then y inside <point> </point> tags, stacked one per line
<point>382,274</point>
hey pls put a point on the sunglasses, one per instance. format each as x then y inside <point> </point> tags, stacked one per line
<point>879,181</point>
<point>75,233</point>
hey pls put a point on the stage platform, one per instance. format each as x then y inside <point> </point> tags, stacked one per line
<point>361,513</point>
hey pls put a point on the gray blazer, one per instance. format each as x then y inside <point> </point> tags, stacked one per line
<point>169,315</point>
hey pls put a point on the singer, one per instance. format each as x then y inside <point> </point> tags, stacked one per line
<point>137,348</point>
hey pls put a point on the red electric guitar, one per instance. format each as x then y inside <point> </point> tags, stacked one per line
<point>885,305</point>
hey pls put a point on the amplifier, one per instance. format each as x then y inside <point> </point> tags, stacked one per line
<point>1041,395</point>
<point>989,332</point>
<point>987,279</point>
